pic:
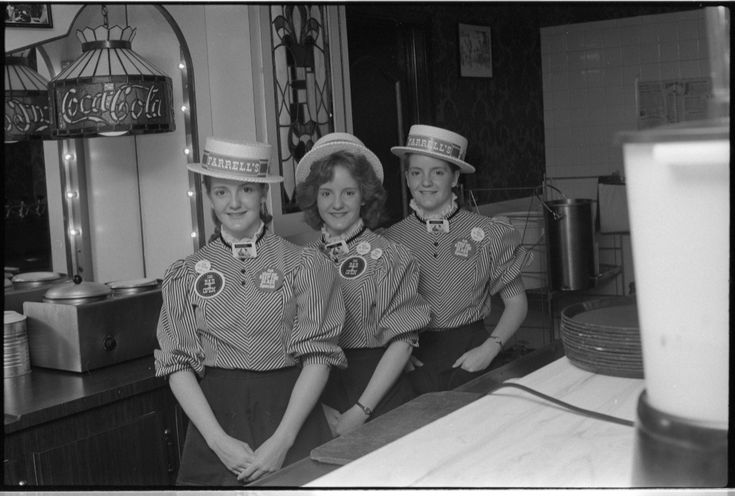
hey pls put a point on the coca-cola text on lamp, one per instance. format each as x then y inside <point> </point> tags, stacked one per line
<point>26,102</point>
<point>110,90</point>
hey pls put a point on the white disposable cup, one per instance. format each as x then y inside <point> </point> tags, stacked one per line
<point>679,209</point>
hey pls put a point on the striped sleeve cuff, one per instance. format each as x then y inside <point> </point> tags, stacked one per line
<point>513,288</point>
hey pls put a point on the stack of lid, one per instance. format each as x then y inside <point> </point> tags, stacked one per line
<point>603,336</point>
<point>16,358</point>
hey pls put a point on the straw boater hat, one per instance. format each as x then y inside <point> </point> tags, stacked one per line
<point>335,142</point>
<point>246,162</point>
<point>438,143</point>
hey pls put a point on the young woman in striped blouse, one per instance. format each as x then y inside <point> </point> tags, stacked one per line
<point>340,191</point>
<point>248,331</point>
<point>465,258</point>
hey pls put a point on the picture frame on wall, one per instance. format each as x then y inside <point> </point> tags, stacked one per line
<point>27,15</point>
<point>475,51</point>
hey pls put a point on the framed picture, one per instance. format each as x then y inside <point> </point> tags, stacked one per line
<point>475,51</point>
<point>28,15</point>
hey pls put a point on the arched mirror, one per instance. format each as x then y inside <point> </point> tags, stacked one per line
<point>118,207</point>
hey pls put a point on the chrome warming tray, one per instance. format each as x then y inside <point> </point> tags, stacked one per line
<point>67,332</point>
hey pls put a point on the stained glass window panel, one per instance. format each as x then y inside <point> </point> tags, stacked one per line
<point>302,85</point>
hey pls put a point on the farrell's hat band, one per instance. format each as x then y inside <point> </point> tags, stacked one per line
<point>438,143</point>
<point>248,166</point>
<point>246,162</point>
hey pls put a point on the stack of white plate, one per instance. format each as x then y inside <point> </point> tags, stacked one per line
<point>603,336</point>
<point>16,357</point>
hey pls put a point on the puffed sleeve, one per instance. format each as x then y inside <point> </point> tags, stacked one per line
<point>180,347</point>
<point>508,259</point>
<point>402,312</point>
<point>320,311</point>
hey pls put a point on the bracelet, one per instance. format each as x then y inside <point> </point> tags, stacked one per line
<point>497,340</point>
<point>365,409</point>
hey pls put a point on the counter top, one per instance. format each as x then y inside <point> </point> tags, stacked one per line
<point>45,394</point>
<point>510,438</point>
<point>404,420</point>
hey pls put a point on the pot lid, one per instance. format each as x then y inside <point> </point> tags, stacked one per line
<point>135,283</point>
<point>77,289</point>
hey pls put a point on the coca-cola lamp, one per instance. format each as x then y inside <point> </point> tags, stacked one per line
<point>110,90</point>
<point>26,102</point>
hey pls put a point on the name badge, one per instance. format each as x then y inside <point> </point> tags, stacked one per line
<point>269,280</point>
<point>463,248</point>
<point>437,226</point>
<point>363,248</point>
<point>352,267</point>
<point>244,250</point>
<point>337,248</point>
<point>209,284</point>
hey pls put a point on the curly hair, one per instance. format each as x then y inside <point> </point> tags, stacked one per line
<point>373,194</point>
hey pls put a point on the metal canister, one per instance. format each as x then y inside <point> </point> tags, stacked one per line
<point>16,357</point>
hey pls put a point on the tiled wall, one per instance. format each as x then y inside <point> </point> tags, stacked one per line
<point>589,81</point>
<point>589,86</point>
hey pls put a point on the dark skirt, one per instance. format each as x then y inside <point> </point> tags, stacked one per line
<point>438,350</point>
<point>345,386</point>
<point>249,406</point>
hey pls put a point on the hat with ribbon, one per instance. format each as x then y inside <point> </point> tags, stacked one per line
<point>246,162</point>
<point>336,142</point>
<point>438,143</point>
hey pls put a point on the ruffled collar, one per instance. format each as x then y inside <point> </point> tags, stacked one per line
<point>445,212</point>
<point>346,236</point>
<point>230,240</point>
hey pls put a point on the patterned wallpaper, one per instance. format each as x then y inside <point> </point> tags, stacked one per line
<point>502,116</point>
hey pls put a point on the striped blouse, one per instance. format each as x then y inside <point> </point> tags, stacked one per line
<point>379,281</point>
<point>275,310</point>
<point>462,268</point>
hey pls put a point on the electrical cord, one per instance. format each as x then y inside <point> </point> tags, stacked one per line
<point>568,406</point>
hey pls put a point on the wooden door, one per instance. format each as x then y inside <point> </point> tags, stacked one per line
<point>389,89</point>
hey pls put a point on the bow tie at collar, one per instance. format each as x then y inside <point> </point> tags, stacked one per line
<point>338,245</point>
<point>245,247</point>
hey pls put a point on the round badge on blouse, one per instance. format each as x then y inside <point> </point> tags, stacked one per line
<point>363,248</point>
<point>463,248</point>
<point>202,266</point>
<point>269,280</point>
<point>376,253</point>
<point>352,267</point>
<point>209,284</point>
<point>477,234</point>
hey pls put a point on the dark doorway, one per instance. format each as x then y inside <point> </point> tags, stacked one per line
<point>389,86</point>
